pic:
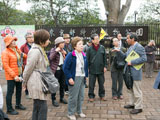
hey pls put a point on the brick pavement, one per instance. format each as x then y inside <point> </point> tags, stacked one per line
<point>108,110</point>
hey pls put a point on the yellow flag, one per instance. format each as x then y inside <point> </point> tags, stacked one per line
<point>102,34</point>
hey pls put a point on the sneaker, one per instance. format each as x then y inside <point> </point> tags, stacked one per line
<point>20,107</point>
<point>66,92</point>
<point>114,98</point>
<point>28,97</point>
<point>82,115</point>
<point>71,117</point>
<point>91,100</point>
<point>102,99</point>
<point>12,112</point>
<point>120,97</point>
<point>64,101</point>
<point>55,103</point>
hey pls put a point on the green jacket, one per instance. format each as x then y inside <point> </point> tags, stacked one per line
<point>97,60</point>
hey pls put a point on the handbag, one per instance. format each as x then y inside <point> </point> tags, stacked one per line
<point>49,82</point>
<point>127,76</point>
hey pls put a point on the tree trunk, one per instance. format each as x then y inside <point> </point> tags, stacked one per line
<point>116,14</point>
<point>52,12</point>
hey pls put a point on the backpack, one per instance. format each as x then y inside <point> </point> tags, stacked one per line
<point>119,61</point>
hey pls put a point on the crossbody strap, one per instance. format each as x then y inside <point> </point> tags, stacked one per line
<point>93,59</point>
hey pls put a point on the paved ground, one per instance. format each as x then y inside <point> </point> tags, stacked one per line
<point>108,110</point>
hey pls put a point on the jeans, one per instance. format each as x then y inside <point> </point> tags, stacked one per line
<point>39,109</point>
<point>76,96</point>
<point>10,91</point>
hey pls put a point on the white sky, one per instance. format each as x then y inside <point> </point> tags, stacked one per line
<point>134,6</point>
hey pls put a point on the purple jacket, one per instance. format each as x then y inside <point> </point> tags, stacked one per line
<point>54,58</point>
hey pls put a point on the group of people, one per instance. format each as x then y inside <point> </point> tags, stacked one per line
<point>72,64</point>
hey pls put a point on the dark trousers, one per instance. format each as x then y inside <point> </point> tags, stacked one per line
<point>117,77</point>
<point>61,79</point>
<point>26,91</point>
<point>10,91</point>
<point>39,110</point>
<point>66,86</point>
<point>92,81</point>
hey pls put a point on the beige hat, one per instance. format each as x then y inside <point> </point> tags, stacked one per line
<point>66,36</point>
<point>59,40</point>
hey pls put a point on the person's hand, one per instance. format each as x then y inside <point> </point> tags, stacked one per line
<point>71,81</point>
<point>154,44</point>
<point>129,63</point>
<point>86,78</point>
<point>115,50</point>
<point>58,49</point>
<point>64,52</point>
<point>24,86</point>
<point>17,79</point>
<point>150,53</point>
<point>105,69</point>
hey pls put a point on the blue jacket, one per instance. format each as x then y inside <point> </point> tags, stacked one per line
<point>157,81</point>
<point>139,49</point>
<point>69,66</point>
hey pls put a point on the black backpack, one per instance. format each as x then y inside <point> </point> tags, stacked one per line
<point>119,61</point>
<point>127,76</point>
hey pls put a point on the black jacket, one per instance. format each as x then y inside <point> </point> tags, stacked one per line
<point>150,49</point>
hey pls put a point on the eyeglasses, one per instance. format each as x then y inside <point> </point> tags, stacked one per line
<point>29,37</point>
<point>67,38</point>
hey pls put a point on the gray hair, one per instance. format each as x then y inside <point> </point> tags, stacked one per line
<point>152,41</point>
<point>27,34</point>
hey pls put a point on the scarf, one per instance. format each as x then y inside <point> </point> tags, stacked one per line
<point>45,55</point>
<point>96,47</point>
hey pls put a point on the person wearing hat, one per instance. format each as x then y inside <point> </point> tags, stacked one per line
<point>25,49</point>
<point>67,47</point>
<point>57,56</point>
<point>12,60</point>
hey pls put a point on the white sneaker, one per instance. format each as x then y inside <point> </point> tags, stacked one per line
<point>66,92</point>
<point>82,115</point>
<point>71,117</point>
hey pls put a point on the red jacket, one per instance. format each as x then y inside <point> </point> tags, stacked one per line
<point>25,49</point>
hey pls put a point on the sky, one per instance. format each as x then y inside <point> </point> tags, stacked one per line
<point>134,7</point>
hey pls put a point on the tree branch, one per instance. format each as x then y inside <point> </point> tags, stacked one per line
<point>124,11</point>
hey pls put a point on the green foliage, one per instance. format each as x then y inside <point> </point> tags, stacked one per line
<point>51,12</point>
<point>66,12</point>
<point>149,13</point>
